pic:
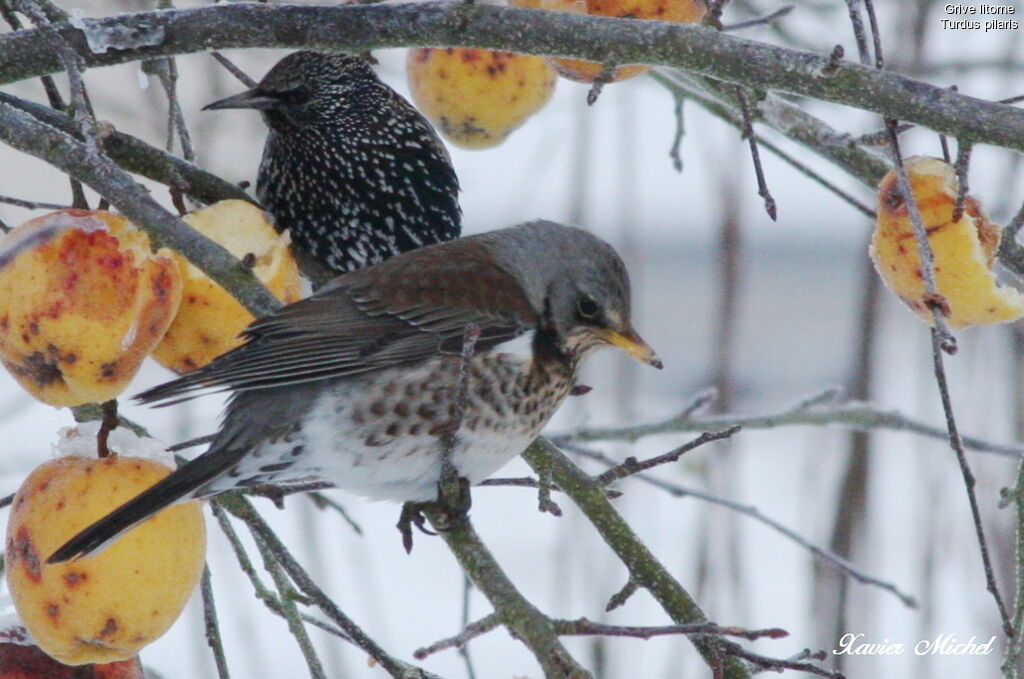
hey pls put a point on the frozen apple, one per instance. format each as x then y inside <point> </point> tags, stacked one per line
<point>476,97</point>
<point>83,300</point>
<point>963,250</point>
<point>679,11</point>
<point>209,319</point>
<point>103,607</point>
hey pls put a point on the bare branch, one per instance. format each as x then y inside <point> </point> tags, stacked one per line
<point>861,416</point>
<point>969,482</point>
<point>469,632</point>
<point>633,466</point>
<point>31,204</point>
<point>135,155</point>
<point>676,490</point>
<point>584,627</point>
<point>755,156</point>
<point>75,158</point>
<point>242,509</point>
<point>234,70</point>
<point>356,27</point>
<point>514,610</point>
<point>760,21</point>
<point>213,637</point>
<point>644,568</point>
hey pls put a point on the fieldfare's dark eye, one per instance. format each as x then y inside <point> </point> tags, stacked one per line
<point>587,308</point>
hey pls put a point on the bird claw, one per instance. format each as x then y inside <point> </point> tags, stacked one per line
<point>412,515</point>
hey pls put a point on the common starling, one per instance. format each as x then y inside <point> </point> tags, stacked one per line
<point>358,384</point>
<point>349,167</point>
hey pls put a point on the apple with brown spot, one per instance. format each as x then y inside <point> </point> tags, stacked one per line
<point>106,606</point>
<point>476,97</point>
<point>83,300</point>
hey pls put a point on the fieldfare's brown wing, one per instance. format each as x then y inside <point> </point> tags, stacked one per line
<point>401,311</point>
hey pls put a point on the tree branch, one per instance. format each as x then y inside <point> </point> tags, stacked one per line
<point>135,155</point>
<point>75,158</point>
<point>854,414</point>
<point>644,568</point>
<point>514,610</point>
<point>29,53</point>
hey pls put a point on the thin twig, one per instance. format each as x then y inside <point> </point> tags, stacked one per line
<point>73,66</point>
<point>1015,645</point>
<point>606,75</point>
<point>213,638</point>
<point>622,596</point>
<point>675,151</point>
<point>830,557</point>
<point>963,161</point>
<point>192,443</point>
<point>322,501</point>
<point>242,509</point>
<point>631,466</point>
<point>932,298</point>
<point>287,595</point>
<point>766,664</point>
<point>261,591</point>
<point>584,627</point>
<point>234,70</point>
<point>467,591</point>
<point>760,21</point>
<point>859,35</point>
<point>449,480</point>
<point>857,415</point>
<point>469,632</point>
<point>31,204</point>
<point>175,118</point>
<point>755,155</point>
<point>876,36</point>
<point>847,155</point>
<point>53,96</point>
<point>969,481</point>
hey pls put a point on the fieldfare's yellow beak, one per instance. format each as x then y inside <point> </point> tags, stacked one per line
<point>632,344</point>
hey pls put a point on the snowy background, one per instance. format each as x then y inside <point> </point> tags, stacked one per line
<point>800,282</point>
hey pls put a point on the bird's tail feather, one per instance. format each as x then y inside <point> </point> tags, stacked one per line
<point>169,490</point>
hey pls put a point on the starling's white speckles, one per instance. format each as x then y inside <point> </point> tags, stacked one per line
<point>350,167</point>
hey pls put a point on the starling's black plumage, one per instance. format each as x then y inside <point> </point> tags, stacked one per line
<point>350,167</point>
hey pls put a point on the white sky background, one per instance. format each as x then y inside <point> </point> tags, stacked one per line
<point>794,335</point>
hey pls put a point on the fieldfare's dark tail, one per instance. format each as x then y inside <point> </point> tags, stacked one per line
<point>165,492</point>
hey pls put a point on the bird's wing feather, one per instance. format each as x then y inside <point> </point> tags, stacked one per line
<point>402,311</point>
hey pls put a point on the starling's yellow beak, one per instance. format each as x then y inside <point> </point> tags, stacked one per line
<point>632,344</point>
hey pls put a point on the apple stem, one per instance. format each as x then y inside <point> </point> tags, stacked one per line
<point>107,424</point>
